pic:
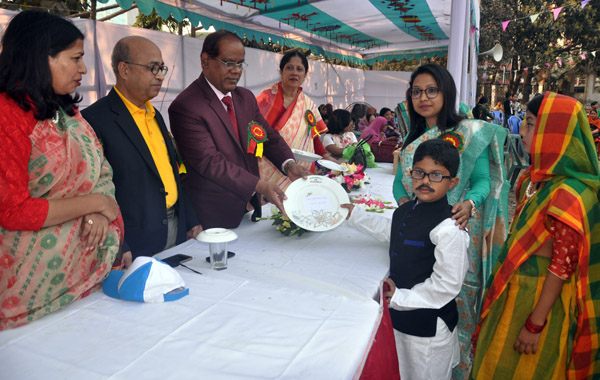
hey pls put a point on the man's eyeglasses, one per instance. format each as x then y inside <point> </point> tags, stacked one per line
<point>431,92</point>
<point>433,177</point>
<point>154,68</point>
<point>233,65</point>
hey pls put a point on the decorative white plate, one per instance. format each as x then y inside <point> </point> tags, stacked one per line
<point>302,155</point>
<point>332,165</point>
<point>314,203</point>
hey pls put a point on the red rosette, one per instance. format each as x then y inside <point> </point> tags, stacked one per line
<point>456,138</point>
<point>311,120</point>
<point>257,132</point>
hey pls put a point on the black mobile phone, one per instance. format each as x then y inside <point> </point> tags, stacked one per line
<point>229,256</point>
<point>175,260</point>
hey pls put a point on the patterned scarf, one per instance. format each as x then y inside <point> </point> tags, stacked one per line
<point>565,163</point>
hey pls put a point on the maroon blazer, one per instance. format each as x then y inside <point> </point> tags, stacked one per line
<point>221,176</point>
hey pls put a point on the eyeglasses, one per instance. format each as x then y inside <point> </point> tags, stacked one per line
<point>431,92</point>
<point>154,68</point>
<point>233,65</point>
<point>433,177</point>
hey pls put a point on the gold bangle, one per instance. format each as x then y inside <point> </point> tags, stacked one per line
<point>473,208</point>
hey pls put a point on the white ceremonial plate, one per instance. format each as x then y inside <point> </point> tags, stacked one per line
<point>314,203</point>
<point>332,165</point>
<point>302,155</point>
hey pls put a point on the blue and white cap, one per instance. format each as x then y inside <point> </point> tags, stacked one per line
<point>146,280</point>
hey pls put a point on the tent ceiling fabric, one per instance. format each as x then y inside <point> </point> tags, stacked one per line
<point>359,30</point>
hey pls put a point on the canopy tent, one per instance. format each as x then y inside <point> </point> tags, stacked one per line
<point>326,83</point>
<point>359,31</point>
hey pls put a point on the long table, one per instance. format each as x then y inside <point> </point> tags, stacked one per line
<point>285,308</point>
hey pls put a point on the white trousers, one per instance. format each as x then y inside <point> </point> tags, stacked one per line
<point>428,358</point>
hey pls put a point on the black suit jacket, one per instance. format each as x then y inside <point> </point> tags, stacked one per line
<point>139,189</point>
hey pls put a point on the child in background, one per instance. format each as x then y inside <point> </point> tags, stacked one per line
<point>341,133</point>
<point>428,263</point>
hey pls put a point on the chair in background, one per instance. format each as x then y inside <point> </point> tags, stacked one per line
<point>498,117</point>
<point>514,124</point>
<point>515,158</point>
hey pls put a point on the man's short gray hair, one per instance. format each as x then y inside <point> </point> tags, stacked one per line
<point>120,53</point>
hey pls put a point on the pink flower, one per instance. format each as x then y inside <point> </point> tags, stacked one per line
<point>349,181</point>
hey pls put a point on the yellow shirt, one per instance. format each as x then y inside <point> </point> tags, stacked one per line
<point>146,123</point>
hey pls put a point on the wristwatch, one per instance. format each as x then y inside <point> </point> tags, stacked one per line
<point>287,166</point>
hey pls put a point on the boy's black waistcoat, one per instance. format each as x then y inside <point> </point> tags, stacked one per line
<point>411,262</point>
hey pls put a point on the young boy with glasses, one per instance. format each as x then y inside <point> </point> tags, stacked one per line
<point>428,263</point>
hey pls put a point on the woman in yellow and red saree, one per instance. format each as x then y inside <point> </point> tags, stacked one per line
<point>539,318</point>
<point>292,113</point>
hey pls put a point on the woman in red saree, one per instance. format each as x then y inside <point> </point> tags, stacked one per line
<point>60,226</point>
<point>292,113</point>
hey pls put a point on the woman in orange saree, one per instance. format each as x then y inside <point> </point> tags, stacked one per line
<point>293,114</point>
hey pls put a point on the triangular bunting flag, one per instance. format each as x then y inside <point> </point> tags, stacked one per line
<point>559,62</point>
<point>525,68</point>
<point>534,17</point>
<point>556,12</point>
<point>582,56</point>
<point>594,53</point>
<point>584,3</point>
<point>547,64</point>
<point>505,24</point>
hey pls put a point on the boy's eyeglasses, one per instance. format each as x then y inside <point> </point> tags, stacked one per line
<point>431,92</point>
<point>154,68</point>
<point>433,177</point>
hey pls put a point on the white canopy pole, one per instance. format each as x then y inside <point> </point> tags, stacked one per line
<point>465,85</point>
<point>456,45</point>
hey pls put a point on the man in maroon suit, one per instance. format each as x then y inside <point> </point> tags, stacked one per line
<point>219,128</point>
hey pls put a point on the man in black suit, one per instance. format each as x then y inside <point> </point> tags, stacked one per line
<point>507,108</point>
<point>156,211</point>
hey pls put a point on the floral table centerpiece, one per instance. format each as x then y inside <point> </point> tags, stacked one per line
<point>372,204</point>
<point>352,179</point>
<point>283,223</point>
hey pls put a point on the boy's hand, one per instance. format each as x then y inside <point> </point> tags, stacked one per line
<point>348,206</point>
<point>389,290</point>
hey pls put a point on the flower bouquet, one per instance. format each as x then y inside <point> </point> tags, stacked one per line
<point>283,223</point>
<point>372,204</point>
<point>352,179</point>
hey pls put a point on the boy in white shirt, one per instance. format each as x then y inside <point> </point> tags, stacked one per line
<point>428,263</point>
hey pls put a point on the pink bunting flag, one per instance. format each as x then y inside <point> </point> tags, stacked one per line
<point>559,62</point>
<point>505,24</point>
<point>584,3</point>
<point>556,12</point>
<point>547,64</point>
<point>582,56</point>
<point>525,68</point>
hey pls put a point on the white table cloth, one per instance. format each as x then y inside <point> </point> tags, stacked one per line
<point>285,308</point>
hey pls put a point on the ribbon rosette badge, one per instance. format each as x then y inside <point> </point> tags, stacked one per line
<point>456,138</point>
<point>311,121</point>
<point>256,137</point>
